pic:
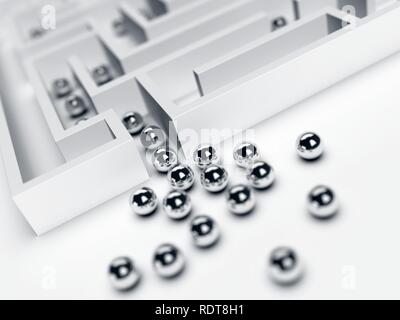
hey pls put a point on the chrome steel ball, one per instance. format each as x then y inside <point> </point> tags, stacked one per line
<point>133,122</point>
<point>205,231</point>
<point>76,106</point>
<point>168,261</point>
<point>152,137</point>
<point>144,202</point>
<point>245,154</point>
<point>177,205</point>
<point>260,175</point>
<point>205,155</point>
<point>62,88</point>
<point>119,27</point>
<point>181,177</point>
<point>164,159</point>
<point>285,267</point>
<point>102,75</point>
<point>123,274</point>
<point>309,146</point>
<point>214,178</point>
<point>322,202</point>
<point>241,200</point>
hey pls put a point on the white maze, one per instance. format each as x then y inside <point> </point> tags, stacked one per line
<point>175,62</point>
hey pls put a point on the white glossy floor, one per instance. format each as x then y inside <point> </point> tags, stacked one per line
<point>353,256</point>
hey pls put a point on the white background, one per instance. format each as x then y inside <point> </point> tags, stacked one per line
<point>356,255</point>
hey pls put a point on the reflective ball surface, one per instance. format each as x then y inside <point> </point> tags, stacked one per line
<point>260,175</point>
<point>285,267</point>
<point>214,178</point>
<point>123,274</point>
<point>205,231</point>
<point>62,88</point>
<point>168,261</point>
<point>309,146</point>
<point>241,200</point>
<point>177,205</point>
<point>181,177</point>
<point>102,75</point>
<point>205,155</point>
<point>152,137</point>
<point>164,159</point>
<point>133,122</point>
<point>119,27</point>
<point>322,202</point>
<point>82,120</point>
<point>144,202</point>
<point>245,154</point>
<point>76,106</point>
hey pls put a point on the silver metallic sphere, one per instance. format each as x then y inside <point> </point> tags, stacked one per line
<point>168,261</point>
<point>322,202</point>
<point>123,274</point>
<point>245,154</point>
<point>181,177</point>
<point>164,159</point>
<point>133,122</point>
<point>62,88</point>
<point>177,205</point>
<point>205,231</point>
<point>205,155</point>
<point>260,175</point>
<point>241,200</point>
<point>285,267</point>
<point>309,146</point>
<point>152,137</point>
<point>119,27</point>
<point>102,75</point>
<point>214,178</point>
<point>144,202</point>
<point>76,106</point>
